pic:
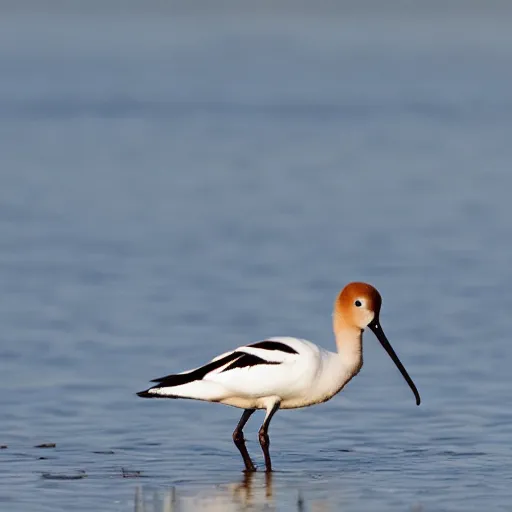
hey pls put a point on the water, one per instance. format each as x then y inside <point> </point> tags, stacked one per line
<point>176,181</point>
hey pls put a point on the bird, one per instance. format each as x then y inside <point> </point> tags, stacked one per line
<point>285,372</point>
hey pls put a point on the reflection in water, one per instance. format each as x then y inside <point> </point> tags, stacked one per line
<point>244,492</point>
<point>253,491</point>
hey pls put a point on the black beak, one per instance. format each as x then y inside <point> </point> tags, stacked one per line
<point>377,330</point>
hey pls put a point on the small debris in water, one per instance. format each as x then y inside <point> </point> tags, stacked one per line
<point>131,474</point>
<point>104,452</point>
<point>45,445</point>
<point>55,476</point>
<point>3,446</point>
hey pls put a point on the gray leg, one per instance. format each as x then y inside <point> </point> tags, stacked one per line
<point>238,438</point>
<point>263,435</point>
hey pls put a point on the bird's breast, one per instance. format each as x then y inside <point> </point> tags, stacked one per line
<point>331,377</point>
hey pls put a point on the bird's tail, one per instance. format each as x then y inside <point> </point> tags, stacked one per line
<point>148,393</point>
<point>196,390</point>
<point>190,384</point>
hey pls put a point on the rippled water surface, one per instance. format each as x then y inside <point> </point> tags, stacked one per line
<point>178,180</point>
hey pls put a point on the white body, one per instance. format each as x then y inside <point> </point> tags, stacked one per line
<point>310,376</point>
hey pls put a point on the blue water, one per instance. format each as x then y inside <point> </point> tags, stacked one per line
<point>178,180</point>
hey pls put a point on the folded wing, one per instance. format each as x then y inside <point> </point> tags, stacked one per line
<point>251,369</point>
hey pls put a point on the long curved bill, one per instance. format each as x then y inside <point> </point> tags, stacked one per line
<point>377,330</point>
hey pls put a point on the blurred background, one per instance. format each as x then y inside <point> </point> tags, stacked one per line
<point>180,178</point>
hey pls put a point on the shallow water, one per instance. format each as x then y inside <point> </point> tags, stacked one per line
<point>178,181</point>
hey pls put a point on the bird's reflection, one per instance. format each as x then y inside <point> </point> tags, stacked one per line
<point>253,491</point>
<point>245,492</point>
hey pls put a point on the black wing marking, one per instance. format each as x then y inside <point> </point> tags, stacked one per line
<point>247,360</point>
<point>274,345</point>
<point>237,359</point>
<point>198,374</point>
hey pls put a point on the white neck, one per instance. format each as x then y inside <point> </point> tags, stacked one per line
<point>349,341</point>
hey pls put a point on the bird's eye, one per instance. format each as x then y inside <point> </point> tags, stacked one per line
<point>358,303</point>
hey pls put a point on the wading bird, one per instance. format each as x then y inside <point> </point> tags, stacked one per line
<point>283,372</point>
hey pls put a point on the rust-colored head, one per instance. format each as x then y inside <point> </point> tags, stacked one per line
<point>357,305</point>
